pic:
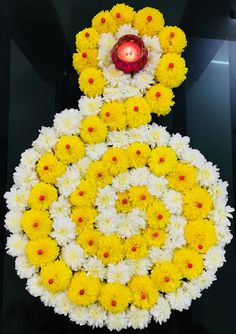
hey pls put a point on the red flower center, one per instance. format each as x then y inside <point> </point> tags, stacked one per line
<point>158,94</point>
<point>107,113</point>
<point>90,242</point>
<point>81,292</point>
<point>143,296</point>
<point>167,279</point>
<point>67,146</point>
<point>136,108</point>
<point>86,34</point>
<point>90,129</point>
<point>171,65</point>
<point>90,80</point>
<point>118,15</point>
<point>114,159</point>
<point>149,18</point>
<point>103,20</point>
<point>143,197</point>
<point>172,34</point>
<point>100,174</point>
<point>81,193</point>
<point>106,254</point>
<point>45,167</point>
<point>155,235</point>
<point>84,55</point>
<point>161,160</point>
<point>113,303</point>
<point>134,248</point>
<point>200,247</point>
<point>40,251</point>
<point>190,265</point>
<point>80,219</point>
<point>160,216</point>
<point>181,177</point>
<point>138,152</point>
<point>199,205</point>
<point>124,201</point>
<point>50,281</point>
<point>41,197</point>
<point>35,225</point>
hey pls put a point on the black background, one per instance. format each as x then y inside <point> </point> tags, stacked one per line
<point>37,80</point>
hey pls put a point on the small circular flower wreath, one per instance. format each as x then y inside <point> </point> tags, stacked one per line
<point>164,70</point>
<point>114,222</point>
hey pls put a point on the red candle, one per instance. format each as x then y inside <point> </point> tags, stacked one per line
<point>129,54</point>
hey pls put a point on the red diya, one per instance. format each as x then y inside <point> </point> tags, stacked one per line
<point>129,54</point>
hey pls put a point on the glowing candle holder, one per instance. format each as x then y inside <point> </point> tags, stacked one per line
<point>129,54</point>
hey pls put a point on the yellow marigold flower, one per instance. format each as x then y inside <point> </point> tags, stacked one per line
<point>113,115</point>
<point>114,297</point>
<point>104,22</point>
<point>166,276</point>
<point>171,70</point>
<point>36,224</point>
<point>122,13</point>
<point>69,149</point>
<point>42,195</point>
<point>149,21</point>
<point>93,130</point>
<point>138,154</point>
<point>160,99</point>
<point>83,289</point>
<point>157,215</point>
<point>92,81</point>
<point>41,251</point>
<point>162,160</point>
<point>84,194</point>
<point>87,39</point>
<point>49,168</point>
<point>110,249</point>
<point>155,237</point>
<point>89,240</point>
<point>98,173</point>
<point>138,111</point>
<point>200,234</point>
<point>135,247</point>
<point>189,262</point>
<point>197,203</point>
<point>84,59</point>
<point>172,39</point>
<point>116,160</point>
<point>183,177</point>
<point>143,291</point>
<point>55,276</point>
<point>124,202</point>
<point>140,197</point>
<point>83,217</point>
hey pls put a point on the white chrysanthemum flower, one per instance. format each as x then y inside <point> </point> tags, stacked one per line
<point>112,93</point>
<point>179,144</point>
<point>79,314</point>
<point>177,223</point>
<point>179,300</point>
<point>175,239</point>
<point>105,44</point>
<point>214,258</point>
<point>161,311</point>
<point>16,244</point>
<point>128,90</point>
<point>139,176</point>
<point>121,182</point>
<point>61,207</point>
<point>138,319</point>
<point>173,201</point>
<point>67,122</point>
<point>140,267</point>
<point>48,298</point>
<point>218,191</point>
<point>221,213</point>
<point>140,134</point>
<point>12,221</point>
<point>95,268</point>
<point>117,321</point>
<point>152,44</point>
<point>95,151</point>
<point>205,280</point>
<point>105,199</point>
<point>64,230</point>
<point>156,185</point>
<point>29,158</point>
<point>82,165</point>
<point>192,289</point>
<point>73,255</point>
<point>46,140</point>
<point>156,254</point>
<point>125,29</point>
<point>193,156</point>
<point>114,76</point>
<point>208,174</point>
<point>17,199</point>
<point>24,268</point>
<point>138,217</point>
<point>158,135</point>
<point>120,272</point>
<point>90,106</point>
<point>96,316</point>
<point>118,139</point>
<point>34,286</point>
<point>153,61</point>
<point>68,181</point>
<point>62,303</point>
<point>129,224</point>
<point>107,221</point>
<point>143,80</point>
<point>224,235</point>
<point>25,177</point>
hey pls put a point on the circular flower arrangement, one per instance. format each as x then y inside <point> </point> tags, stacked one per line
<point>114,222</point>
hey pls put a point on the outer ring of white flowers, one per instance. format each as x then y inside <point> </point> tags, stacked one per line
<point>25,177</point>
